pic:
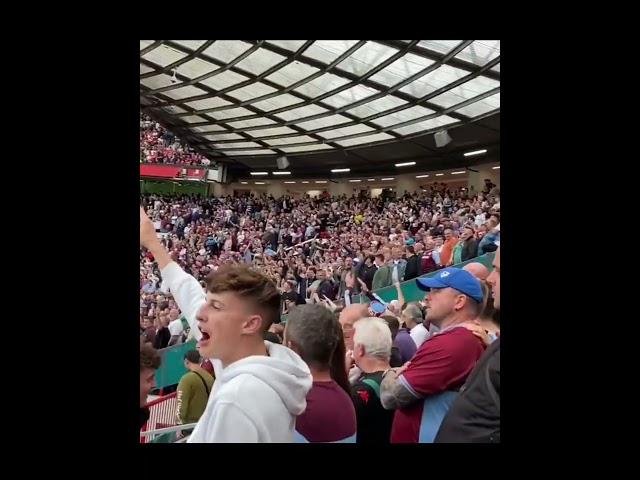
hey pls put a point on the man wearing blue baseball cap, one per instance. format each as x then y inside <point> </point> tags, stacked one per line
<point>423,389</point>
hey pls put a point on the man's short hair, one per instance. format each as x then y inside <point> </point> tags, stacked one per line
<point>316,332</point>
<point>374,334</point>
<point>149,357</point>
<point>414,312</point>
<point>251,286</point>
<point>193,356</point>
<point>380,256</point>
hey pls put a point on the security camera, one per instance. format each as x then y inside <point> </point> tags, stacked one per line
<point>174,79</point>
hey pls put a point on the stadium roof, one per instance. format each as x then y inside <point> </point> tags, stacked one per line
<point>324,104</point>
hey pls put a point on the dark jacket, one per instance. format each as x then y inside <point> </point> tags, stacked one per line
<point>162,338</point>
<point>474,416</point>
<point>469,249</point>
<point>325,288</point>
<point>414,267</point>
<point>366,275</point>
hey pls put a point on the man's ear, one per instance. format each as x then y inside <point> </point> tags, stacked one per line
<point>252,325</point>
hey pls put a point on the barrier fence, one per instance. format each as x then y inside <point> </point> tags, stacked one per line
<point>162,413</point>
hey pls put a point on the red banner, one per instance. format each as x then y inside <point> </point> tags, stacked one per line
<point>195,173</point>
<point>161,171</point>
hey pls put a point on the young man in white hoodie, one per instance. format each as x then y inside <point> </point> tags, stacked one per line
<point>260,387</point>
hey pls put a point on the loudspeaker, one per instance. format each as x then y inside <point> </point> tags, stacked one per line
<point>282,163</point>
<point>441,138</point>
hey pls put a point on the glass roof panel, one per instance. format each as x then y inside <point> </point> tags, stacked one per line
<point>425,125</point>
<point>402,116</point>
<point>342,132</point>
<point>292,73</point>
<point>226,50</point>
<point>440,46</point>
<point>440,77</point>
<point>191,44</point>
<point>307,148</point>
<point>376,106</point>
<point>480,52</point>
<point>366,139</point>
<point>260,61</point>
<point>365,58</point>
<point>265,132</point>
<point>301,112</point>
<point>349,96</point>
<point>326,51</point>
<point>223,80</point>
<point>402,68</point>
<point>323,122</point>
<point>164,55</point>
<point>321,85</point>
<point>483,106</point>
<point>290,140</point>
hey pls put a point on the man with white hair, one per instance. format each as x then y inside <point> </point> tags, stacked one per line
<point>371,353</point>
<point>412,317</point>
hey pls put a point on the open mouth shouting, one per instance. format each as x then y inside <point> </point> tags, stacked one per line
<point>206,338</point>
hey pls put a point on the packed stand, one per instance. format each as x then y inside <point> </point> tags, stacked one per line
<point>327,377</point>
<point>318,250</point>
<point>159,145</point>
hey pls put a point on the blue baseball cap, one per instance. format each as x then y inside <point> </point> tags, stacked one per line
<point>455,278</point>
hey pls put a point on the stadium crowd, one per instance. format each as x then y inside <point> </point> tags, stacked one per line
<point>344,372</point>
<point>159,145</point>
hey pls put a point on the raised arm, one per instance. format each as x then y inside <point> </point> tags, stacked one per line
<point>185,289</point>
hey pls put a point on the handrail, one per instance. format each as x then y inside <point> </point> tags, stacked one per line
<point>161,399</point>
<point>168,429</point>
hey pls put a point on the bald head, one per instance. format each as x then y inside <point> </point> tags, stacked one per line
<point>477,269</point>
<point>350,315</point>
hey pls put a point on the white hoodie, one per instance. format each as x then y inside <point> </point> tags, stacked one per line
<point>255,399</point>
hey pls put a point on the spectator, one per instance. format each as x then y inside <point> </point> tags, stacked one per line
<point>478,270</point>
<point>428,385</point>
<point>305,279</point>
<point>414,264</point>
<point>371,354</point>
<point>382,277</point>
<point>348,317</point>
<point>193,390</point>
<point>289,296</point>
<point>149,363</point>
<point>368,271</point>
<point>314,333</point>
<point>149,334</point>
<point>446,256</point>
<point>176,327</point>
<point>405,344</point>
<point>412,317</point>
<point>398,266</point>
<point>394,326</point>
<point>162,335</point>
<point>488,242</point>
<point>428,263</point>
<point>239,305</point>
<point>325,287</point>
<point>469,245</point>
<point>348,268</point>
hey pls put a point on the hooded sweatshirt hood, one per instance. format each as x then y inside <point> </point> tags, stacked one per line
<point>283,370</point>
